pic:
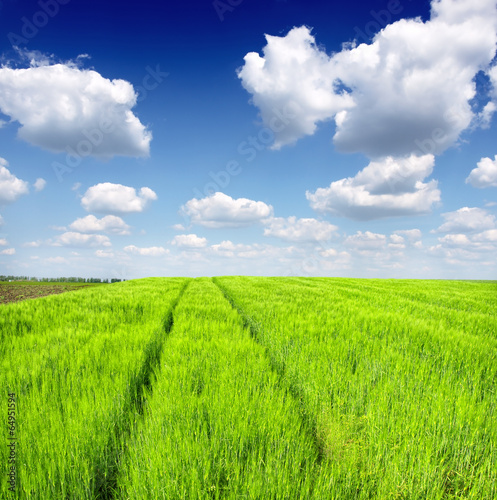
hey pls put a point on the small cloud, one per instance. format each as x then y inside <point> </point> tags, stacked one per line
<point>485,174</point>
<point>40,184</point>
<point>299,230</point>
<point>11,188</point>
<point>146,252</point>
<point>179,227</point>
<point>56,260</point>
<point>330,252</point>
<point>76,186</point>
<point>455,240</point>
<point>108,198</point>
<point>72,239</point>
<point>189,241</point>
<point>386,188</point>
<point>412,235</point>
<point>8,251</point>
<point>32,244</point>
<point>366,241</point>
<point>466,220</point>
<point>220,210</point>
<point>490,235</point>
<point>3,242</point>
<point>108,224</point>
<point>104,254</point>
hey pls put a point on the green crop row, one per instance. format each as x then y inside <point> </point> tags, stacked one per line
<point>403,403</point>
<point>77,364</point>
<point>219,424</point>
<point>254,388</point>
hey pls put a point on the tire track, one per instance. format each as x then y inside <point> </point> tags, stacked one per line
<point>140,389</point>
<point>310,425</point>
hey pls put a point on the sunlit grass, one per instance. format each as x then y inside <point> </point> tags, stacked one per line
<point>76,365</point>
<point>255,388</point>
<point>398,377</point>
<point>219,424</point>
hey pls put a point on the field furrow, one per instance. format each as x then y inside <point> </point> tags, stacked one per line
<point>245,387</point>
<point>78,364</point>
<point>403,405</point>
<point>219,424</point>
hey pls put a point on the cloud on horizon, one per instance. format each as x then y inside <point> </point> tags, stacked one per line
<point>146,252</point>
<point>299,230</point>
<point>73,239</point>
<point>107,224</point>
<point>189,241</point>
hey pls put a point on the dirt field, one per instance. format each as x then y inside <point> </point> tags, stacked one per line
<point>22,290</point>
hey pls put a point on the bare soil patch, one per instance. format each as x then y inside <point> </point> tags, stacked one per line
<point>17,291</point>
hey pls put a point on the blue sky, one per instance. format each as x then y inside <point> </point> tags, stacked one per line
<point>248,137</point>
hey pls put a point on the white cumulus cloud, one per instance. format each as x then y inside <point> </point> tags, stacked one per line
<point>11,188</point>
<point>107,224</point>
<point>385,188</point>
<point>56,260</point>
<point>366,241</point>
<point>296,80</point>
<point>411,234</point>
<point>73,239</point>
<point>8,251</point>
<point>3,242</point>
<point>490,235</point>
<point>485,174</point>
<point>408,91</point>
<point>63,108</point>
<point>220,210</point>
<point>299,230</point>
<point>108,198</point>
<point>467,220</point>
<point>455,240</point>
<point>147,252</point>
<point>103,254</point>
<point>228,249</point>
<point>40,184</point>
<point>189,241</point>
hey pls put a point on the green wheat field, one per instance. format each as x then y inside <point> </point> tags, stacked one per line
<point>252,388</point>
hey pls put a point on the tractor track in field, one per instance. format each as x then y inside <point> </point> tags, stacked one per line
<point>140,389</point>
<point>279,368</point>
